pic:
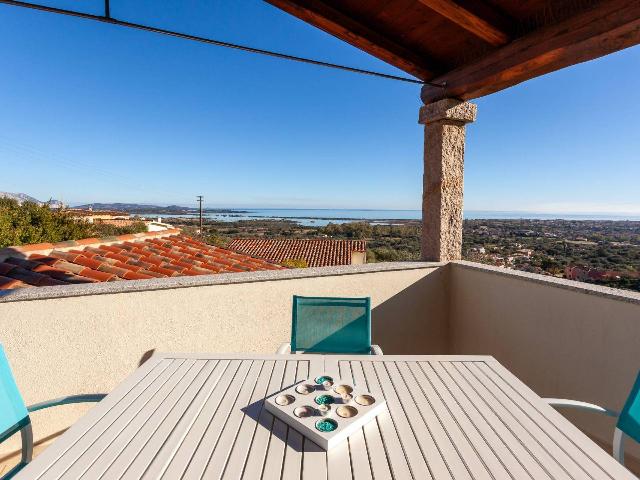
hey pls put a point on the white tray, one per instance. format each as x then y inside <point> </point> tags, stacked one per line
<point>307,425</point>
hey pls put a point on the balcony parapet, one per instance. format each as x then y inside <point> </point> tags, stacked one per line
<point>65,291</point>
<point>588,288</point>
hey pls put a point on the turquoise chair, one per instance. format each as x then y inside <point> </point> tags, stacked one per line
<point>331,325</point>
<point>14,415</point>
<point>628,424</point>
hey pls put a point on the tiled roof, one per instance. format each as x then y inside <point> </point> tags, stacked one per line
<point>317,253</point>
<point>126,257</point>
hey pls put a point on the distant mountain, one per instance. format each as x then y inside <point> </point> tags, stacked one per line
<point>154,209</point>
<point>20,197</point>
<point>23,197</point>
<point>139,208</point>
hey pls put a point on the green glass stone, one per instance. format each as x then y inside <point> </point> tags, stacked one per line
<point>326,425</point>
<point>325,399</point>
<point>322,379</point>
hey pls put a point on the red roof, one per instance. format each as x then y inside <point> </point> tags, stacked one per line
<point>317,253</point>
<point>126,257</point>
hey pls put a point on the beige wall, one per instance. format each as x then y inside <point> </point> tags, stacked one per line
<point>90,343</point>
<point>561,342</point>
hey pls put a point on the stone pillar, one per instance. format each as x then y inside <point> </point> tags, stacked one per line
<point>444,134</point>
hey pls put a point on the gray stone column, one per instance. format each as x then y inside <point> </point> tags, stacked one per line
<point>444,135</point>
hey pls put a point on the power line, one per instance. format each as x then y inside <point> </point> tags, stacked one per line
<point>107,18</point>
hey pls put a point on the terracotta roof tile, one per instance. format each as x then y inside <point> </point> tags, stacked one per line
<point>128,257</point>
<point>316,252</point>
<point>88,262</point>
<point>7,283</point>
<point>97,275</point>
<point>164,271</point>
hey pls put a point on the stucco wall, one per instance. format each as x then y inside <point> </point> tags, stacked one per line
<point>563,339</point>
<point>89,343</point>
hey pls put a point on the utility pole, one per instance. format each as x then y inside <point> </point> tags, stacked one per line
<point>200,198</point>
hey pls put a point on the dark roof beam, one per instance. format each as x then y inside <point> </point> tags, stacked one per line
<point>342,26</point>
<point>610,26</point>
<point>480,26</point>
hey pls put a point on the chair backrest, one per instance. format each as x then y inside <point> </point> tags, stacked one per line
<point>13,412</point>
<point>629,420</point>
<point>331,325</point>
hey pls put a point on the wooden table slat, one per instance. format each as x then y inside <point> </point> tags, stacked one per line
<point>278,442</point>
<point>487,445</point>
<point>257,450</point>
<point>235,463</point>
<point>378,459</point>
<point>160,414</point>
<point>538,447</point>
<point>211,438</point>
<point>412,448</point>
<point>557,422</point>
<point>166,452</point>
<point>398,461</point>
<point>572,459</point>
<point>358,453</point>
<point>292,465</point>
<point>196,416</point>
<point>83,453</point>
<point>182,458</point>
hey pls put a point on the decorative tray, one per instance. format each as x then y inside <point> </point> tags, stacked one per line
<point>325,409</point>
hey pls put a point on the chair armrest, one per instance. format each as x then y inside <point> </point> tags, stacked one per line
<point>563,402</point>
<point>83,398</point>
<point>376,350</point>
<point>284,349</point>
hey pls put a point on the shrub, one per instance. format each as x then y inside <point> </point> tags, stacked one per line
<point>295,263</point>
<point>22,224</point>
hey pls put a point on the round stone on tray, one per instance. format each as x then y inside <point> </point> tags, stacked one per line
<point>343,389</point>
<point>365,400</point>
<point>324,409</point>
<point>326,425</point>
<point>323,378</point>
<point>305,389</point>
<point>347,411</point>
<point>324,399</point>
<point>303,412</point>
<point>285,399</point>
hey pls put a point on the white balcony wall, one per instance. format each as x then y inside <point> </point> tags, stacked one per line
<point>89,343</point>
<point>563,339</point>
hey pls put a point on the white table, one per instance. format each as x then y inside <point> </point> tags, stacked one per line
<point>200,416</point>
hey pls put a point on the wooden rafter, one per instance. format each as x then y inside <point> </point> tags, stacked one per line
<point>610,26</point>
<point>336,23</point>
<point>480,27</point>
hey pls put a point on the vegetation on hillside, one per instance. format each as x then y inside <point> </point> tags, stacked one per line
<point>22,224</point>
<point>611,249</point>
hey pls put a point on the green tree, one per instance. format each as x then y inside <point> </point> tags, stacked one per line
<point>26,223</point>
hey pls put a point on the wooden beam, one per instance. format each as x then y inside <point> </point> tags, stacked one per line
<point>468,20</point>
<point>610,26</point>
<point>336,23</point>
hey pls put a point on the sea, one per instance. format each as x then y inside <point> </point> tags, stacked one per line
<point>322,217</point>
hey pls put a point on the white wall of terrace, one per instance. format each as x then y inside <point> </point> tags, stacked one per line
<point>87,338</point>
<point>562,338</point>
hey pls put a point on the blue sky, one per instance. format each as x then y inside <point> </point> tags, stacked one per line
<point>94,112</point>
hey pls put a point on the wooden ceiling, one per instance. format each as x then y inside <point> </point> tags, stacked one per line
<point>473,48</point>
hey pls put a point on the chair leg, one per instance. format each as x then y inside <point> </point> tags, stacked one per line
<point>618,445</point>
<point>27,443</point>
